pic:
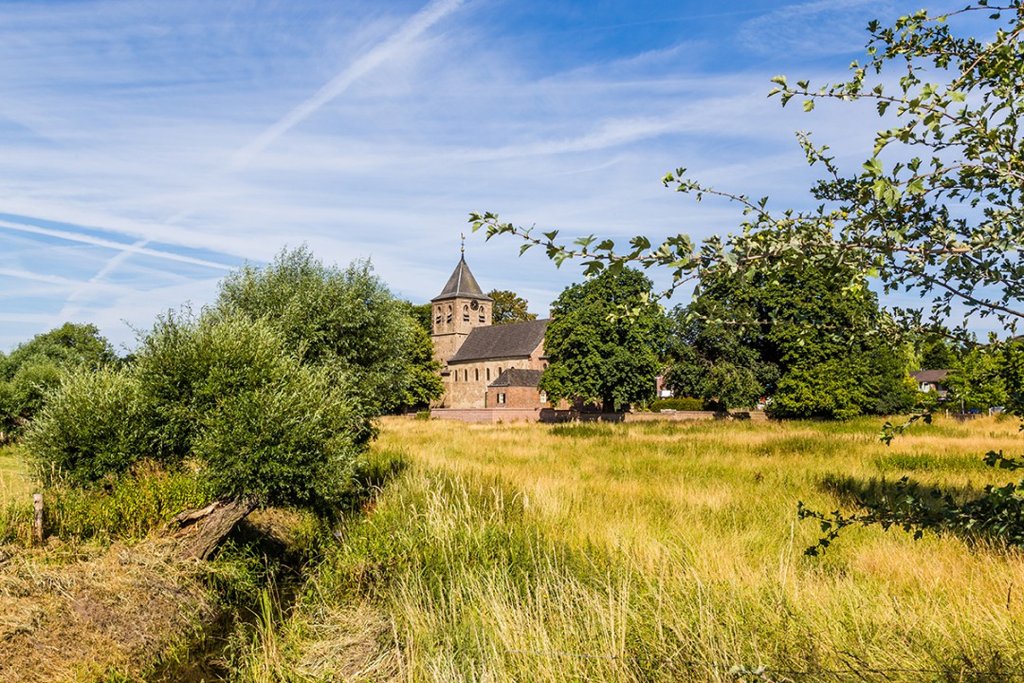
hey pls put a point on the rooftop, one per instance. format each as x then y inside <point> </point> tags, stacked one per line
<point>930,376</point>
<point>514,340</point>
<point>462,284</point>
<point>514,377</point>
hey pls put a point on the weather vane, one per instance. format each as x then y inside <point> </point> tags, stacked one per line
<point>463,247</point>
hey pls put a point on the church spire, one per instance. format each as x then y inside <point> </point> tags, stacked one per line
<point>462,284</point>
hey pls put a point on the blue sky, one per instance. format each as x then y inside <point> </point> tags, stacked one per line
<point>146,148</point>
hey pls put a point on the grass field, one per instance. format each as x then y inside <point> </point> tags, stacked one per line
<point>14,480</point>
<point>662,552</point>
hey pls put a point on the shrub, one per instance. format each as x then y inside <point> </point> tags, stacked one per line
<point>293,440</point>
<point>187,367</point>
<point>261,425</point>
<point>680,403</point>
<point>35,368</point>
<point>92,426</point>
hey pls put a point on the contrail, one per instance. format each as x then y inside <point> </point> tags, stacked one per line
<point>414,27</point>
<point>136,248</point>
<point>399,41</point>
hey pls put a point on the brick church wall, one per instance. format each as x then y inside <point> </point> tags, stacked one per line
<point>466,384</point>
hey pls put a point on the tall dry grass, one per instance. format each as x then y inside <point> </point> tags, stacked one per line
<point>667,552</point>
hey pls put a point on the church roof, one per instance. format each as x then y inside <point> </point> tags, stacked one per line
<point>462,284</point>
<point>514,377</point>
<point>514,340</point>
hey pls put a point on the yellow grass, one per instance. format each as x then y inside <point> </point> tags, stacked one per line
<point>14,480</point>
<point>696,554</point>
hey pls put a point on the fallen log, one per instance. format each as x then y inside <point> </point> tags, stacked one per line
<point>199,532</point>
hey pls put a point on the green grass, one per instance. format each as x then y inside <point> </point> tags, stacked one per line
<point>659,552</point>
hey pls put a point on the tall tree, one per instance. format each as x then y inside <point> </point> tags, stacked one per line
<point>604,341</point>
<point>976,381</point>
<point>509,307</point>
<point>421,314</point>
<point>937,354</point>
<point>746,336</point>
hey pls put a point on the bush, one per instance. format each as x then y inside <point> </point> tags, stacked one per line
<point>35,368</point>
<point>681,403</point>
<point>292,441</point>
<point>187,367</point>
<point>92,426</point>
<point>225,390</point>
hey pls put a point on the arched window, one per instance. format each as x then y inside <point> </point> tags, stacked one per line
<point>465,313</point>
<point>488,374</point>
<point>437,315</point>
<point>449,314</point>
<point>499,371</point>
<point>465,375</point>
<point>477,374</point>
<point>483,314</point>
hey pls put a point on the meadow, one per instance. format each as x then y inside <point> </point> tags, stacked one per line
<point>637,552</point>
<point>660,552</point>
<point>14,479</point>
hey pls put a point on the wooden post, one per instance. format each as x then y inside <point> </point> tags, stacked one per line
<point>37,525</point>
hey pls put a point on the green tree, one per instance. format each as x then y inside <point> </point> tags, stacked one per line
<point>976,382</point>
<point>509,307</point>
<point>721,357</point>
<point>1013,375</point>
<point>36,367</point>
<point>421,313</point>
<point>424,382</point>
<point>745,336</point>
<point>345,318</point>
<point>604,341</point>
<point>937,354</point>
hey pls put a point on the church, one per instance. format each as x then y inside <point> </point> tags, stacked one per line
<point>484,365</point>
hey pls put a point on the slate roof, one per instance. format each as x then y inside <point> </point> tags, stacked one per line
<point>930,376</point>
<point>514,377</point>
<point>514,340</point>
<point>461,284</point>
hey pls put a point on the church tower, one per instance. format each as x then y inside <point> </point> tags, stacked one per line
<point>457,310</point>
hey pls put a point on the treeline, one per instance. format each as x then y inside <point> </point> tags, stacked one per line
<point>793,341</point>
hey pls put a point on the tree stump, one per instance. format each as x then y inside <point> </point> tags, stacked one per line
<point>200,532</point>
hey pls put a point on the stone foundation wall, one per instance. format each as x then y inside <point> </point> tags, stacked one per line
<point>494,415</point>
<point>485,415</point>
